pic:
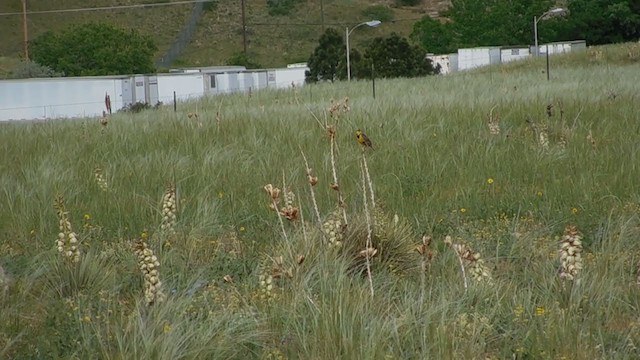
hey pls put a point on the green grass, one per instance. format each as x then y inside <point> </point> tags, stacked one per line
<point>432,158</point>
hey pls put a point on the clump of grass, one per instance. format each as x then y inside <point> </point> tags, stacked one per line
<point>67,242</point>
<point>389,244</point>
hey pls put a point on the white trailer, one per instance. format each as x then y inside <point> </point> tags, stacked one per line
<point>476,57</point>
<point>187,86</point>
<point>69,97</point>
<point>441,60</point>
<point>508,54</point>
<point>60,97</point>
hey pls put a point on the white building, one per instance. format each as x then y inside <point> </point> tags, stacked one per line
<point>561,47</point>
<point>466,59</point>
<point>444,61</point>
<point>477,57</point>
<point>508,54</point>
<point>61,97</point>
<point>47,98</point>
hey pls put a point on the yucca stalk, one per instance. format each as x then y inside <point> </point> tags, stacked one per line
<point>570,253</point>
<point>67,242</point>
<point>149,267</point>
<point>169,210</point>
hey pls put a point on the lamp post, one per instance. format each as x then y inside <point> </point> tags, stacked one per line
<point>372,23</point>
<point>535,25</point>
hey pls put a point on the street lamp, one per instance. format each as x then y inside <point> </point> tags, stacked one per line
<point>535,24</point>
<point>372,23</point>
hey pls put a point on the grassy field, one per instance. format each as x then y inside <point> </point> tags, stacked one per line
<point>496,217</point>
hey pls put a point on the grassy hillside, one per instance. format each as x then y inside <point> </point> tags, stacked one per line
<point>273,41</point>
<point>515,181</point>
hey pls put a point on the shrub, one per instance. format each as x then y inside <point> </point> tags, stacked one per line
<point>31,69</point>
<point>241,59</point>
<point>139,106</point>
<point>210,6</point>
<point>281,7</point>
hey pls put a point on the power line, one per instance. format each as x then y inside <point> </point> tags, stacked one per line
<point>135,6</point>
<point>329,24</point>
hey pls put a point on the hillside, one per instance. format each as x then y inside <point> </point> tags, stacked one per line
<point>272,41</point>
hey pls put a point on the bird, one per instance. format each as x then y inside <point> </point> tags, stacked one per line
<point>363,139</point>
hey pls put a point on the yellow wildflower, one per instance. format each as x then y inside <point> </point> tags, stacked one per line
<point>463,210</point>
<point>540,311</point>
<point>490,181</point>
<point>574,210</point>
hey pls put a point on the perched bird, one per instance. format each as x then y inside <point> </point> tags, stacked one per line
<point>363,139</point>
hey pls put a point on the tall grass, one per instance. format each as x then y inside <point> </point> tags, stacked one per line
<point>236,286</point>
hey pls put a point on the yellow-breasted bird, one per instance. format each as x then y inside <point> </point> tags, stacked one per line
<point>363,139</point>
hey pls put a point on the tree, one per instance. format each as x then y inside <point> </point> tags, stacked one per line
<point>327,58</point>
<point>600,21</point>
<point>240,59</point>
<point>497,22</point>
<point>480,23</point>
<point>434,36</point>
<point>94,49</point>
<point>393,56</point>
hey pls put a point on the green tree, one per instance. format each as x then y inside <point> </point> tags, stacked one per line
<point>480,23</point>
<point>326,62</point>
<point>393,56</point>
<point>436,37</point>
<point>94,49</point>
<point>498,22</point>
<point>600,21</point>
<point>240,59</point>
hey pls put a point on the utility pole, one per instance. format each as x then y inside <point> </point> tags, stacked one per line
<point>244,31</point>
<point>322,14</point>
<point>25,30</point>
